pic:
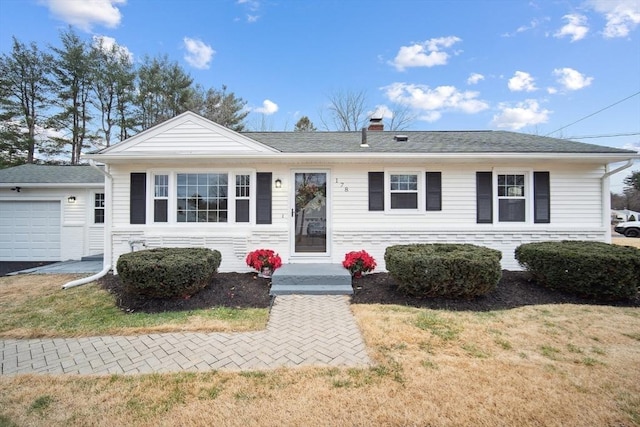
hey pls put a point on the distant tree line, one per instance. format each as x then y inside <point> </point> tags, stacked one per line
<point>60,101</point>
<point>630,196</point>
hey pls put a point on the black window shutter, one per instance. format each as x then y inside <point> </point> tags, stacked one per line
<point>434,191</point>
<point>484,198</point>
<point>541,198</point>
<point>138,198</point>
<point>263,198</point>
<point>376,191</point>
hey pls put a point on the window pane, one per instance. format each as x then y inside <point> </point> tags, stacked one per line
<point>202,197</point>
<point>404,201</point>
<point>511,210</point>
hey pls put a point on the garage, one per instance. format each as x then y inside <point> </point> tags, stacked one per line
<point>30,231</point>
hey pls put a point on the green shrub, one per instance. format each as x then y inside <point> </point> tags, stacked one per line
<point>450,270</point>
<point>590,269</point>
<point>167,272</point>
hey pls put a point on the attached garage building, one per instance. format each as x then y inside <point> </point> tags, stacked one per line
<point>51,213</point>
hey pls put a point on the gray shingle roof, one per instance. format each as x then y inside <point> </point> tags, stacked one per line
<point>48,174</point>
<point>424,142</point>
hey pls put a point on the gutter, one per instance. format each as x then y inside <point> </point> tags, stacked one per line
<point>106,266</point>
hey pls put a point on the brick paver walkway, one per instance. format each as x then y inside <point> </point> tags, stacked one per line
<point>303,330</point>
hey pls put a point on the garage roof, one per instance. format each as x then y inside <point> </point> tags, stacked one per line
<point>51,174</point>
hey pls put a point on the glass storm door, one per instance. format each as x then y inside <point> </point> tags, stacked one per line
<point>310,213</point>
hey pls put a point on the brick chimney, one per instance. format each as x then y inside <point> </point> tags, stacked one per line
<point>375,124</point>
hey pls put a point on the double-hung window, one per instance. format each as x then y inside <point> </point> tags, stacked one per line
<point>243,197</point>
<point>403,191</point>
<point>98,208</point>
<point>511,197</point>
<point>160,198</point>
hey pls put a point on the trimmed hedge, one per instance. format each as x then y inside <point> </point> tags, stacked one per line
<point>168,272</point>
<point>590,269</point>
<point>447,270</point>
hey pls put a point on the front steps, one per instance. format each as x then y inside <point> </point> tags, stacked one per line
<point>311,279</point>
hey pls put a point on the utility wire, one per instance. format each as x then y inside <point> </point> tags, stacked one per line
<point>593,114</point>
<point>610,135</point>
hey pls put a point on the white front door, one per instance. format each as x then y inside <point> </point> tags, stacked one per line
<point>310,219</point>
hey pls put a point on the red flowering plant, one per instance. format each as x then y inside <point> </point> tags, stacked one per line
<point>359,262</point>
<point>262,259</point>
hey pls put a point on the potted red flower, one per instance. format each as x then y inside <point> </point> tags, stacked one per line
<point>265,261</point>
<point>359,262</point>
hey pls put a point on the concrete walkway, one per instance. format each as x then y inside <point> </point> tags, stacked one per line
<point>302,330</point>
<point>65,267</point>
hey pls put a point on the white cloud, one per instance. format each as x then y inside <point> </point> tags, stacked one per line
<point>552,90</point>
<point>426,54</point>
<point>86,14</point>
<point>522,114</point>
<point>575,27</point>
<point>252,18</point>
<point>432,102</point>
<point>571,79</point>
<point>268,108</point>
<point>622,16</point>
<point>107,44</point>
<point>522,81</point>
<point>535,23</point>
<point>199,54</point>
<point>474,78</point>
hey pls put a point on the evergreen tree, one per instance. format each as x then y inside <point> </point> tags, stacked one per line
<point>24,89</point>
<point>164,91</point>
<point>304,125</point>
<point>223,108</point>
<point>72,71</point>
<point>113,86</point>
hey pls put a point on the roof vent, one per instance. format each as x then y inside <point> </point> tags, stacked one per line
<point>363,142</point>
<point>401,138</point>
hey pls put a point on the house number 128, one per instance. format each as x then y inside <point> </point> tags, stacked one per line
<point>342,185</point>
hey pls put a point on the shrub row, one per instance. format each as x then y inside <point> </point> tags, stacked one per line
<point>168,272</point>
<point>451,270</point>
<point>590,269</point>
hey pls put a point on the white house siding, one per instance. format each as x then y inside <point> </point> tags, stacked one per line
<point>576,214</point>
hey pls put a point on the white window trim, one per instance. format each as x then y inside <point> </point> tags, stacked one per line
<point>92,213</point>
<point>173,196</point>
<point>387,192</point>
<point>528,197</point>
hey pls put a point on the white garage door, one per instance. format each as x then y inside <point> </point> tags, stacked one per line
<point>29,231</point>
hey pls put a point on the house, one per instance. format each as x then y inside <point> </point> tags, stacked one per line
<point>314,196</point>
<point>51,213</point>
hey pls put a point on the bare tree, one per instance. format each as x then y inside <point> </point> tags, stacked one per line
<point>346,110</point>
<point>401,118</point>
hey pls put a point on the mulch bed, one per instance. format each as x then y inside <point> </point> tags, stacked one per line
<point>246,290</point>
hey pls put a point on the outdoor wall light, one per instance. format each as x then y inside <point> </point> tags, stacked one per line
<point>71,199</point>
<point>278,183</point>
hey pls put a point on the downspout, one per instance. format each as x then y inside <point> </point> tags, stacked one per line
<point>606,197</point>
<point>106,266</point>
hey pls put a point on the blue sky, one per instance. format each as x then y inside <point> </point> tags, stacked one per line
<point>528,66</point>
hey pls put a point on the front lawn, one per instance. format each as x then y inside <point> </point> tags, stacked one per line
<point>33,306</point>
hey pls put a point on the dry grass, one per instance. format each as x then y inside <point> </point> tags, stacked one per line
<point>561,365</point>
<point>626,241</point>
<point>35,306</point>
